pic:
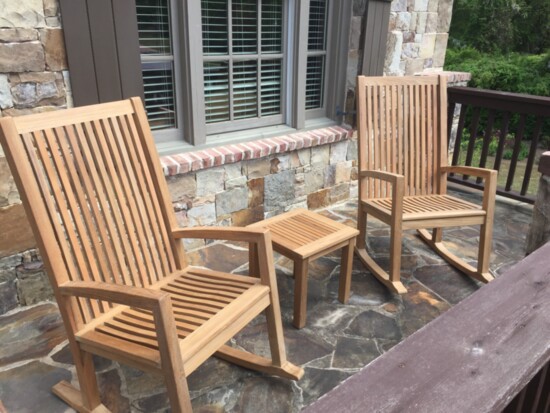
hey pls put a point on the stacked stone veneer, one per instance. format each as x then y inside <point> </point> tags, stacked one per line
<point>419,31</point>
<point>33,78</point>
<point>244,183</point>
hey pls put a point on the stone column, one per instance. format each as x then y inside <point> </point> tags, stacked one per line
<point>539,232</point>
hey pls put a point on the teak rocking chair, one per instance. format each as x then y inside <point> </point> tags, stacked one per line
<point>96,197</point>
<point>402,125</point>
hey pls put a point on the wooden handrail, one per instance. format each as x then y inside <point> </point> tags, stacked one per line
<point>476,357</point>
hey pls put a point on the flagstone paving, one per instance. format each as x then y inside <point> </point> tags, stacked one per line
<point>337,341</point>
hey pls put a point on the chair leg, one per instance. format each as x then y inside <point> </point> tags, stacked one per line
<point>345,272</point>
<point>484,254</point>
<point>392,280</point>
<point>178,393</point>
<point>361,227</point>
<point>481,273</point>
<point>300,292</point>
<point>85,400</point>
<point>396,236</point>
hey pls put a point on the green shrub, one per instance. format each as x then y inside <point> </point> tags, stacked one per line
<point>514,72</point>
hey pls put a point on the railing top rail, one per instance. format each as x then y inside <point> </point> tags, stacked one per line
<point>474,358</point>
<point>505,101</point>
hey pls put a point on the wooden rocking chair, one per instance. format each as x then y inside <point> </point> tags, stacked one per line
<point>402,125</point>
<point>96,197</point>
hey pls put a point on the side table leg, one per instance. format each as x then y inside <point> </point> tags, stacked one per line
<point>300,292</point>
<point>253,266</point>
<point>345,272</point>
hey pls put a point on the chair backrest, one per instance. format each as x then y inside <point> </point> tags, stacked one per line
<point>95,195</point>
<point>402,128</point>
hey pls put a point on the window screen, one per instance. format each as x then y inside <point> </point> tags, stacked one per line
<point>157,62</point>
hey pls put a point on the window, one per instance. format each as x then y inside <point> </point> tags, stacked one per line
<point>243,60</point>
<point>249,64</point>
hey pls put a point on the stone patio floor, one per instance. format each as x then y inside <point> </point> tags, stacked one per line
<point>337,341</point>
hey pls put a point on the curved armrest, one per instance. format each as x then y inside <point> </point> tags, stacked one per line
<point>253,235</point>
<point>114,293</point>
<point>383,175</point>
<point>470,170</point>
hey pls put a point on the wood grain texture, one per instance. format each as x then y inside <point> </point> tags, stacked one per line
<point>402,128</point>
<point>99,207</point>
<point>304,236</point>
<point>461,362</point>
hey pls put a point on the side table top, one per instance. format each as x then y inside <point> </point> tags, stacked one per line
<point>305,233</point>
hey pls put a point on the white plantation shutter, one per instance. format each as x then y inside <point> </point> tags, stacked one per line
<point>243,61</point>
<point>157,60</point>
<point>250,65</point>
<point>317,51</point>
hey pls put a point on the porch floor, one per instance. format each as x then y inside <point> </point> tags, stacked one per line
<point>337,341</point>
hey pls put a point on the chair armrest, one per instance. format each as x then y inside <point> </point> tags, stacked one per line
<point>383,175</point>
<point>469,170</point>
<point>251,235</point>
<point>114,293</point>
<point>488,175</point>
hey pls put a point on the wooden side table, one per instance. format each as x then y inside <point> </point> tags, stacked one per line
<point>304,236</point>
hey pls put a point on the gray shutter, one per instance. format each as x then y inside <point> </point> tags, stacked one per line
<point>101,39</point>
<point>375,36</point>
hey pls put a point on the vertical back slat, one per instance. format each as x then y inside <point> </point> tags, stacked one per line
<point>124,198</point>
<point>158,179</point>
<point>387,135</point>
<point>73,271</point>
<point>406,134</point>
<point>377,156</point>
<point>148,192</point>
<point>93,225</point>
<point>417,138</point>
<point>73,223</point>
<point>402,116</point>
<point>153,241</point>
<point>95,164</point>
<point>118,189</point>
<point>93,190</point>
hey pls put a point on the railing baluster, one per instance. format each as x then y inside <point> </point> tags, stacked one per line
<point>486,141</point>
<point>517,146</point>
<point>473,138</point>
<point>502,140</point>
<point>532,153</point>
<point>460,129</point>
<point>502,108</point>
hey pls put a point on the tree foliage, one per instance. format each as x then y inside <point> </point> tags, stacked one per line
<point>501,25</point>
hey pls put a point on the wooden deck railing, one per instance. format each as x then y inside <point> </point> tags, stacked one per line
<point>489,353</point>
<point>486,115</point>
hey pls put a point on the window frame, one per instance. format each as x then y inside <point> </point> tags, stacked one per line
<point>103,52</point>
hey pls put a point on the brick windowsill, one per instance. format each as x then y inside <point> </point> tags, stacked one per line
<point>221,155</point>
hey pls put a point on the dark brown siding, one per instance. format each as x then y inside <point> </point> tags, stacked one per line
<point>101,38</point>
<point>377,17</point>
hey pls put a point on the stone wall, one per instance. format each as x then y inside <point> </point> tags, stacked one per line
<point>33,78</point>
<point>419,31</point>
<point>417,42</point>
<point>244,183</point>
